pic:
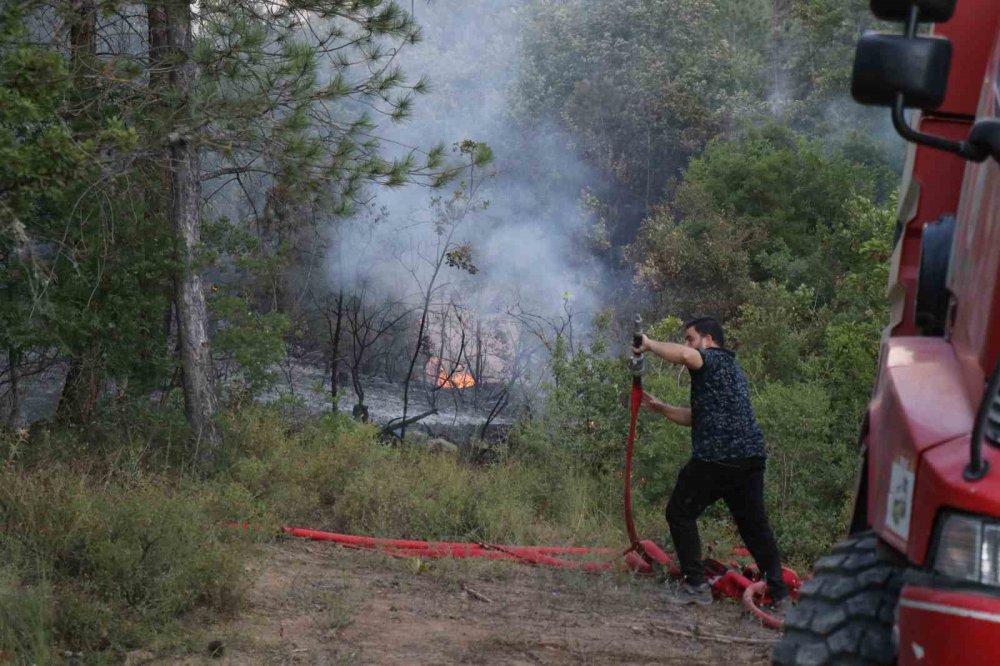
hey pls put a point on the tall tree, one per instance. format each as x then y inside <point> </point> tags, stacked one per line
<point>184,212</point>
<point>40,163</point>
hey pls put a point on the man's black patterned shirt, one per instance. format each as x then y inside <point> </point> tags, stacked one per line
<point>723,425</point>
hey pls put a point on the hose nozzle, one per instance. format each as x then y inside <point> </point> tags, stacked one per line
<point>636,364</point>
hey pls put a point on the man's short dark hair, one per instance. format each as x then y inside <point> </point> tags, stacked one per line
<point>708,326</point>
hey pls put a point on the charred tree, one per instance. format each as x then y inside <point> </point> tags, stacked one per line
<point>334,323</point>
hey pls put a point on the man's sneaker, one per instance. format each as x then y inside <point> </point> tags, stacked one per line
<point>687,593</point>
<point>779,607</point>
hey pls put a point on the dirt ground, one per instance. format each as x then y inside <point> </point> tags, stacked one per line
<point>316,603</point>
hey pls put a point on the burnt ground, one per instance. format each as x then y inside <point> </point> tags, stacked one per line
<point>316,603</point>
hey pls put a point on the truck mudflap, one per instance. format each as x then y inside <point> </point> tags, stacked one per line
<point>941,626</point>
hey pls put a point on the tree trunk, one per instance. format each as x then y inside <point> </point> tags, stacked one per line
<point>478,363</point>
<point>158,192</point>
<point>14,395</point>
<point>200,402</point>
<point>83,379</point>
<point>83,38</point>
<point>401,423</point>
<point>781,15</point>
<point>335,349</point>
<point>192,311</point>
<point>83,386</point>
<point>356,383</point>
<point>420,335</point>
<point>413,359</point>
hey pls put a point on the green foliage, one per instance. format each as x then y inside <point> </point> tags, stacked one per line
<point>428,497</point>
<point>461,258</point>
<point>810,474</point>
<point>26,620</point>
<point>301,98</point>
<point>85,264</point>
<point>121,560</point>
<point>778,332</point>
<point>699,265</point>
<point>333,474</point>
<point>644,83</point>
<point>293,476</point>
<point>536,501</point>
<point>107,302</point>
<point>767,205</point>
<point>253,340</point>
<point>584,409</point>
<point>435,497</point>
<point>791,195</point>
<point>38,160</point>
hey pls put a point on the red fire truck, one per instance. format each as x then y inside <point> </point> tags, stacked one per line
<point>917,582</point>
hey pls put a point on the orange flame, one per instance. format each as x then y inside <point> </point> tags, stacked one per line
<point>458,379</point>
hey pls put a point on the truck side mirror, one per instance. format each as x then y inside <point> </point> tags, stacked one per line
<point>933,11</point>
<point>910,71</point>
<point>889,65</point>
<point>986,133</point>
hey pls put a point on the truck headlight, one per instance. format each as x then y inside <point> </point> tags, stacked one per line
<point>969,549</point>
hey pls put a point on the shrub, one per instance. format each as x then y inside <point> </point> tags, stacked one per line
<point>555,502</point>
<point>408,495</point>
<point>296,476</point>
<point>25,618</point>
<point>121,560</point>
<point>809,475</point>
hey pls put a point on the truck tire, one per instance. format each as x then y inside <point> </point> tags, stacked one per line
<point>846,612</point>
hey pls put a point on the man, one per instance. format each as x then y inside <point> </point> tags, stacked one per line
<point>727,457</point>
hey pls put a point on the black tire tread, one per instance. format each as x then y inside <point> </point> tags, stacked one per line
<point>845,613</point>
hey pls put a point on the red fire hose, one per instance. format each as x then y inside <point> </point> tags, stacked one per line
<point>728,580</point>
<point>646,553</point>
<point>634,402</point>
<point>636,367</point>
<point>435,549</point>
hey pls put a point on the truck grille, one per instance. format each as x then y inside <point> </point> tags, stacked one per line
<point>993,420</point>
<point>991,424</point>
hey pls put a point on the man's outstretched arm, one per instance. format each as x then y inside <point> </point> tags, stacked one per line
<point>679,415</point>
<point>672,353</point>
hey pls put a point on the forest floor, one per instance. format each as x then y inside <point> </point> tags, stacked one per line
<point>316,603</point>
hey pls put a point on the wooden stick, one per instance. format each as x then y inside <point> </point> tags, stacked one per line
<point>714,637</point>
<point>476,595</point>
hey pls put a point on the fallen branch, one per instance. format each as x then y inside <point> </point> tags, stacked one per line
<point>476,595</point>
<point>718,638</point>
<point>397,423</point>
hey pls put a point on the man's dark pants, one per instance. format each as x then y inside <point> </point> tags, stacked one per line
<point>740,484</point>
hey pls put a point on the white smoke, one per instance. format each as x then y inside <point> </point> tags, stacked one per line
<point>527,242</point>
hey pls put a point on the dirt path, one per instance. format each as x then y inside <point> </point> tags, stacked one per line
<point>315,603</point>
